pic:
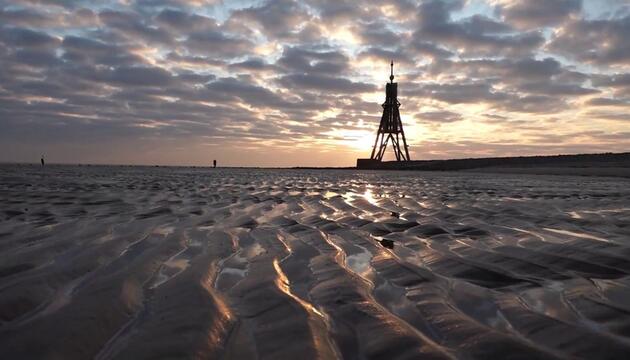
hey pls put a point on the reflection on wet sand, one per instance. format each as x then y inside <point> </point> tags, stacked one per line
<point>128,262</point>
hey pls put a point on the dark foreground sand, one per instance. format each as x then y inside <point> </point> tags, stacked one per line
<point>133,263</point>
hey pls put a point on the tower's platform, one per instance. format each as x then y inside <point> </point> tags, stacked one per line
<point>368,164</point>
<point>373,164</point>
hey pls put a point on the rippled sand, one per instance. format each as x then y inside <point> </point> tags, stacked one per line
<point>130,262</point>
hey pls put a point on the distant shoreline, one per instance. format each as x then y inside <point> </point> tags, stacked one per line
<point>602,164</point>
<point>598,164</point>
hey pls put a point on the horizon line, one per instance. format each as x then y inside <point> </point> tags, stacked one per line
<point>301,166</point>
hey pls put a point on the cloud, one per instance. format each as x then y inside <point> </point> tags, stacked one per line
<point>615,81</point>
<point>307,61</point>
<point>462,93</point>
<point>84,51</point>
<point>26,38</point>
<point>229,89</point>
<point>35,58</point>
<point>184,22</point>
<point>139,76</point>
<point>217,44</point>
<point>427,49</point>
<point>618,83</point>
<point>608,102</point>
<point>277,19</point>
<point>608,115</point>
<point>556,89</point>
<point>441,116</point>
<point>537,13</point>
<point>251,64</point>
<point>376,34</point>
<point>402,56</point>
<point>599,42</point>
<point>473,36</point>
<point>201,74</point>
<point>25,17</point>
<point>133,26</point>
<point>57,3</point>
<point>325,83</point>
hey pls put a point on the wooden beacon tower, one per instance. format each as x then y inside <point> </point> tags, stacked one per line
<point>390,128</point>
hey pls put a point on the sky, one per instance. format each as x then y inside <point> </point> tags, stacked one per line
<point>301,83</point>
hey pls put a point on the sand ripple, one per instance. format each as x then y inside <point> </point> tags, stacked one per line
<point>141,262</point>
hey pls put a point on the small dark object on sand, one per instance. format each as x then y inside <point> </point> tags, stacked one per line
<point>387,243</point>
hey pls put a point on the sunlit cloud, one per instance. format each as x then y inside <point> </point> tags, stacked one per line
<point>286,83</point>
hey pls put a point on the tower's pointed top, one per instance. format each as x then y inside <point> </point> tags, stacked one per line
<point>391,77</point>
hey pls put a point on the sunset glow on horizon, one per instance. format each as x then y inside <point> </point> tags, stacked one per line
<point>301,83</point>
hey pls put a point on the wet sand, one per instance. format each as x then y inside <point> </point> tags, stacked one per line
<point>550,170</point>
<point>140,262</point>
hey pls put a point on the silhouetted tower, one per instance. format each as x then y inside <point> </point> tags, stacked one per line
<point>391,126</point>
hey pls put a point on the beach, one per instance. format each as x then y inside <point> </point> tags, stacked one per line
<point>130,262</point>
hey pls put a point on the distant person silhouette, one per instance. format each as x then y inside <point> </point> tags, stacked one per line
<point>42,159</point>
<point>214,163</point>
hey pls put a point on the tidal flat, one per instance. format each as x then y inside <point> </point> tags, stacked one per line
<point>113,262</point>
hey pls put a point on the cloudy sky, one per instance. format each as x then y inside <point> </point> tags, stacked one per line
<point>285,83</point>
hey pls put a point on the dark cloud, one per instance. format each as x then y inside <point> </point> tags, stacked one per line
<point>533,104</point>
<point>140,76</point>
<point>608,115</point>
<point>608,102</point>
<point>336,10</point>
<point>325,83</point>
<point>217,44</point>
<point>505,70</point>
<point>556,89</point>
<point>229,89</point>
<point>377,34</point>
<point>601,42</point>
<point>194,78</point>
<point>479,24</point>
<point>252,64</point>
<point>473,36</point>
<point>619,83</point>
<point>36,58</point>
<point>198,61</point>
<point>307,61</point>
<point>521,84</point>
<point>383,56</point>
<point>427,49</point>
<point>26,38</point>
<point>276,18</point>
<point>85,45</point>
<point>26,17</point>
<point>86,51</point>
<point>175,3</point>
<point>437,12</point>
<point>486,93</point>
<point>460,93</point>
<point>536,13</point>
<point>615,81</point>
<point>441,116</point>
<point>59,3</point>
<point>133,26</point>
<point>184,22</point>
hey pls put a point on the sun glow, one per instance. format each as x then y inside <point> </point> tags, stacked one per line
<point>357,139</point>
